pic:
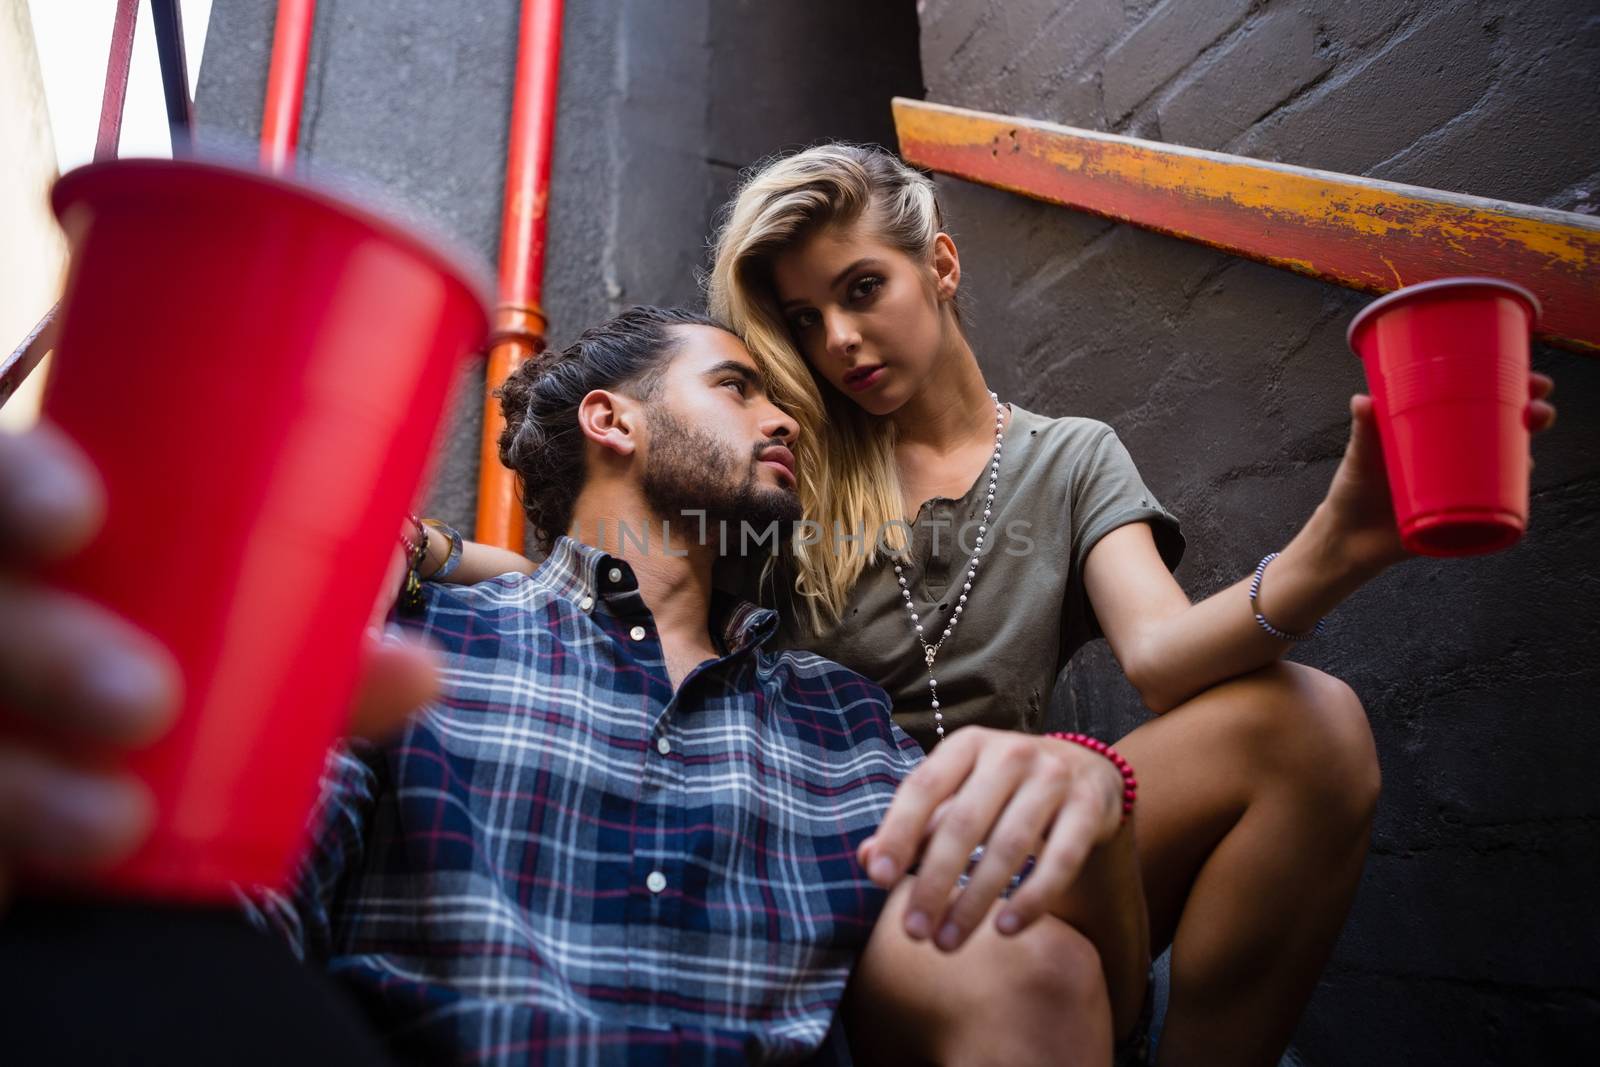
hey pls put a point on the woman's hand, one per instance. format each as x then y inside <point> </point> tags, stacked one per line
<point>1015,794</point>
<point>1358,504</point>
<point>81,670</point>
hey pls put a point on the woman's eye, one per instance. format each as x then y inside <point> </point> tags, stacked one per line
<point>803,320</point>
<point>865,287</point>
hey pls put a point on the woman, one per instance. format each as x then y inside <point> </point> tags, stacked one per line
<point>1258,779</point>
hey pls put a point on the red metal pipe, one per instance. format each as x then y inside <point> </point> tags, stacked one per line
<point>286,82</point>
<point>520,320</point>
<point>116,91</point>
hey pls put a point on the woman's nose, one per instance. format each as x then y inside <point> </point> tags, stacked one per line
<point>843,338</point>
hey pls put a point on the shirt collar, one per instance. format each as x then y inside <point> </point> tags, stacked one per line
<point>574,570</point>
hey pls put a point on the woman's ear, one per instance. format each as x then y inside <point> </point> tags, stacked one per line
<point>610,420</point>
<point>946,266</point>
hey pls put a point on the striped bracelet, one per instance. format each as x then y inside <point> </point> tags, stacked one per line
<point>1261,620</point>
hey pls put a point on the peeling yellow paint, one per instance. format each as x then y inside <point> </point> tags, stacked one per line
<point>1258,209</point>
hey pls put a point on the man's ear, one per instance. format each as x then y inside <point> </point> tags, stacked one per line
<point>946,266</point>
<point>611,420</point>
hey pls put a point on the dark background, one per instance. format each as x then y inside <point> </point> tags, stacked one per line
<point>1474,939</point>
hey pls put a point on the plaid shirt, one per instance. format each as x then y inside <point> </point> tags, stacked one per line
<point>563,861</point>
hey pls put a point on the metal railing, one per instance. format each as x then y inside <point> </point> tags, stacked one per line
<point>27,356</point>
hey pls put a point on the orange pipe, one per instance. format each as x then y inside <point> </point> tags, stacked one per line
<point>286,82</point>
<point>520,320</point>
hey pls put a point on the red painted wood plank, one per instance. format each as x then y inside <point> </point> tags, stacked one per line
<point>1357,232</point>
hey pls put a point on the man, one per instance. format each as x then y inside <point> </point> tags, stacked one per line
<point>627,832</point>
<point>622,824</point>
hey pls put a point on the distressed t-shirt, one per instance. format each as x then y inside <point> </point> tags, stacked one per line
<point>1064,484</point>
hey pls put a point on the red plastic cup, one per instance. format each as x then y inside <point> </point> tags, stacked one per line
<point>1447,364</point>
<point>258,370</point>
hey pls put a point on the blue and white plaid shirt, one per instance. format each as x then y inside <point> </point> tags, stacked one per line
<point>563,861</point>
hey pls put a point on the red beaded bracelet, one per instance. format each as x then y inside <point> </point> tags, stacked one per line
<point>1130,784</point>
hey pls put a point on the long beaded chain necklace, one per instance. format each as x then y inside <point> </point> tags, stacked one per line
<point>931,652</point>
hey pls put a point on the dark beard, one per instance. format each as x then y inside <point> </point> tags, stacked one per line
<point>689,470</point>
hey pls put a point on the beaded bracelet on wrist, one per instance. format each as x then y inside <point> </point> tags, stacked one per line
<point>1130,784</point>
<point>416,553</point>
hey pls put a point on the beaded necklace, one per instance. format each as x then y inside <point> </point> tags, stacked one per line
<point>931,652</point>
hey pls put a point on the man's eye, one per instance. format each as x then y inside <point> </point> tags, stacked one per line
<point>738,385</point>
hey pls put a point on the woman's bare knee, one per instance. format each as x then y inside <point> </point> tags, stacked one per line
<point>1312,736</point>
<point>1050,1006</point>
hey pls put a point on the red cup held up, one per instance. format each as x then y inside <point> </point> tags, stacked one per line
<point>258,371</point>
<point>1447,364</point>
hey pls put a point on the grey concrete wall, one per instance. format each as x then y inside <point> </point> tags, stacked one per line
<point>1474,939</point>
<point>660,104</point>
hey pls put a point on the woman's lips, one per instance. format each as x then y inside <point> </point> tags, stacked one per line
<point>865,379</point>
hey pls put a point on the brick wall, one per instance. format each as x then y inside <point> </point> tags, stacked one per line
<point>1474,939</point>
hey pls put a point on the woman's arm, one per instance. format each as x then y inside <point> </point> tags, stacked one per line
<point>1171,649</point>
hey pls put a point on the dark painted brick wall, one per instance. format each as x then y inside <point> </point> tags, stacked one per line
<point>1474,939</point>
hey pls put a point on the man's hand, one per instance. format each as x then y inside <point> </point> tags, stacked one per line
<point>1016,795</point>
<point>78,669</point>
<point>1358,501</point>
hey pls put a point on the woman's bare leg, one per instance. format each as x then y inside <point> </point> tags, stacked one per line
<point>1255,803</point>
<point>1036,998</point>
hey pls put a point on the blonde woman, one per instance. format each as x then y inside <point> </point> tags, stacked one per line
<point>968,547</point>
<point>1258,778</point>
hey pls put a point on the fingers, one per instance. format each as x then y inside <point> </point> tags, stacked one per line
<point>968,822</point>
<point>1540,386</point>
<point>1015,837</point>
<point>62,819</point>
<point>50,498</point>
<point>889,853</point>
<point>397,678</point>
<point>1076,831</point>
<point>1539,416</point>
<point>1361,409</point>
<point>70,665</point>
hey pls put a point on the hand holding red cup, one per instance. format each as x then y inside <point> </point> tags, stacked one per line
<point>256,371</point>
<point>1453,404</point>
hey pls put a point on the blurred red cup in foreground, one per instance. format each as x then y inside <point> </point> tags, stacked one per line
<point>1447,364</point>
<point>258,370</point>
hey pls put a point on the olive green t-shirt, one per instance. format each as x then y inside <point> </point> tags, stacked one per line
<point>1064,484</point>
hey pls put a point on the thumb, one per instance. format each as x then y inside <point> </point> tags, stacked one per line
<point>1365,448</point>
<point>397,678</point>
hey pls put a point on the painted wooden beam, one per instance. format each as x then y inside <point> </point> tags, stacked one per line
<point>1365,234</point>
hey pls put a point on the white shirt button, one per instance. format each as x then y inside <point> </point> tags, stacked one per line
<point>615,574</point>
<point>656,882</point>
<point>663,746</point>
<point>586,603</point>
<point>637,633</point>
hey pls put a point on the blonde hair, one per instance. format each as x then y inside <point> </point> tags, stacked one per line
<point>847,477</point>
